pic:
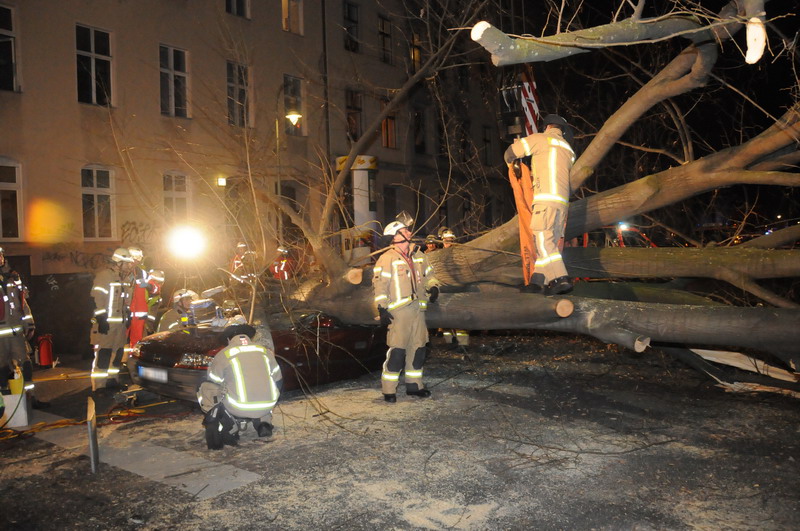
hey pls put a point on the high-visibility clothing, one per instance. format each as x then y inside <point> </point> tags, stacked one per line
<point>398,280</point>
<point>523,198</point>
<point>551,162</point>
<point>112,296</point>
<point>283,267</point>
<point>15,323</point>
<point>399,283</point>
<point>249,377</point>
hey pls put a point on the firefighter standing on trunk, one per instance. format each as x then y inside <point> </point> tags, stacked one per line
<point>552,158</point>
<point>112,297</point>
<point>403,283</point>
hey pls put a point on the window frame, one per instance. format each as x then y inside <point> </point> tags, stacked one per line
<point>388,127</point>
<point>242,118</point>
<point>11,35</point>
<point>95,57</point>
<point>354,113</point>
<point>16,187</point>
<point>232,8</point>
<point>385,39</point>
<point>173,76</point>
<point>415,52</point>
<point>170,213</point>
<point>292,24</point>
<point>293,92</point>
<point>96,191</point>
<point>350,24</point>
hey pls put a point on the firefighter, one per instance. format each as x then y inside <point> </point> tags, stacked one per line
<point>112,296</point>
<point>137,320</point>
<point>283,267</point>
<point>16,328</point>
<point>155,282</point>
<point>552,158</point>
<point>244,383</point>
<point>403,283</point>
<point>244,258</point>
<point>430,243</point>
<point>453,336</point>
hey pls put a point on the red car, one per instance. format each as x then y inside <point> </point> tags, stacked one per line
<point>311,348</point>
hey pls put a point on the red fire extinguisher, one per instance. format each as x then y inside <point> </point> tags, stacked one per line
<point>46,349</point>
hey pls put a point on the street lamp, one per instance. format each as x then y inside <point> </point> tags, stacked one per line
<point>293,115</point>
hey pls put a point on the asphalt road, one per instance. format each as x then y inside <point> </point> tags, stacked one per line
<point>533,432</point>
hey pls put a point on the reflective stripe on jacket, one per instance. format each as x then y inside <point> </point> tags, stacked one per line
<point>551,161</point>
<point>395,284</point>
<point>250,377</point>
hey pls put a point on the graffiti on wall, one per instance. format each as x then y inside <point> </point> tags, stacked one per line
<point>139,232</point>
<point>76,258</point>
<point>52,282</point>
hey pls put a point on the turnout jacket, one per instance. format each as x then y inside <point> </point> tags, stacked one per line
<point>249,376</point>
<point>551,161</point>
<point>15,315</point>
<point>398,283</point>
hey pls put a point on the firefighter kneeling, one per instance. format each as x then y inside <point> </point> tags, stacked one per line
<point>244,385</point>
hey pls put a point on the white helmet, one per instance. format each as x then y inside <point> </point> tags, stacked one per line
<point>448,234</point>
<point>155,275</point>
<point>122,255</point>
<point>181,294</point>
<point>136,253</point>
<point>393,228</point>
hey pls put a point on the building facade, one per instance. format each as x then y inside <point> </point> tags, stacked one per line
<point>123,119</point>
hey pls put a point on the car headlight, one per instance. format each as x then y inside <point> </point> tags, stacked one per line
<point>195,361</point>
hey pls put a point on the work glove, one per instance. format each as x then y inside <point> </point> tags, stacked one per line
<point>433,294</point>
<point>102,324</point>
<point>385,316</point>
<point>516,165</point>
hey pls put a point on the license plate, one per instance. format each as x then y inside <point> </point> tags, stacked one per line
<point>157,375</point>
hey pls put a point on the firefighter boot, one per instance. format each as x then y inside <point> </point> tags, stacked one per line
<point>391,398</point>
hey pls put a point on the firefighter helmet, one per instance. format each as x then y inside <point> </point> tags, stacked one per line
<point>393,228</point>
<point>122,255</point>
<point>405,218</point>
<point>136,253</point>
<point>561,123</point>
<point>155,275</point>
<point>430,238</point>
<point>447,234</point>
<point>181,294</point>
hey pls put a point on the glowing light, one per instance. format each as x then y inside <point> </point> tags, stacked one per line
<point>293,116</point>
<point>623,226</point>
<point>47,222</point>
<point>186,242</point>
<point>222,180</point>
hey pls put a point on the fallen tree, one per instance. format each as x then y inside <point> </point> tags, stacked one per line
<point>477,275</point>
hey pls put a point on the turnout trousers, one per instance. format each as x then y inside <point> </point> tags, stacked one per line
<point>406,340</point>
<point>548,221</point>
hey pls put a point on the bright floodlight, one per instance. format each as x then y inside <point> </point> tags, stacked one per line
<point>186,242</point>
<point>623,226</point>
<point>293,116</point>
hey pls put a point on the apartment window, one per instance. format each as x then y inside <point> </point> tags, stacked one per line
<point>420,132</point>
<point>292,11</point>
<point>176,197</point>
<point>96,189</point>
<point>240,8</point>
<point>237,94</point>
<point>93,65</point>
<point>7,52</point>
<point>353,110</point>
<point>292,101</point>
<point>350,26</point>
<point>174,81</point>
<point>416,52</point>
<point>388,128</point>
<point>9,200</point>
<point>385,37</point>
